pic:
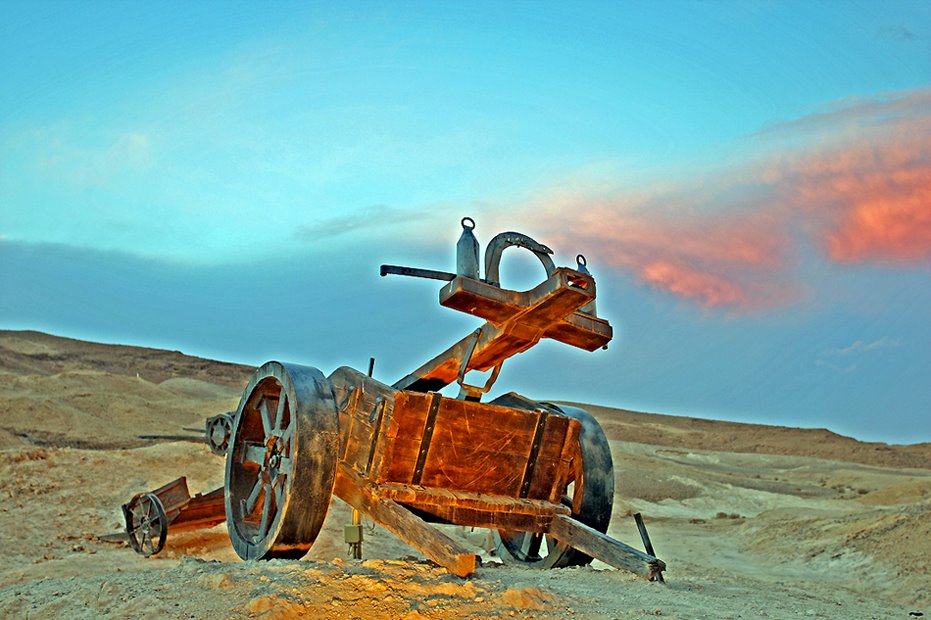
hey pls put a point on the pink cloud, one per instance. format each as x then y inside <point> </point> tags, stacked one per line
<point>869,200</point>
<point>858,186</point>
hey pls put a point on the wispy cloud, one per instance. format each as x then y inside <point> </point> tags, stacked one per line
<point>860,346</point>
<point>62,156</point>
<point>844,359</point>
<point>367,218</point>
<point>854,179</point>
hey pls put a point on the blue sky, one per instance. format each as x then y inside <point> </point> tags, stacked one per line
<point>750,182</point>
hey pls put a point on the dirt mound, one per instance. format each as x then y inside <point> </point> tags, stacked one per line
<point>90,409</point>
<point>35,353</point>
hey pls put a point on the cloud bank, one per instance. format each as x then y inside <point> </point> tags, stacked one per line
<point>852,181</point>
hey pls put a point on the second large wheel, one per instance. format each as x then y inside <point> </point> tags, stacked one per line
<point>589,493</point>
<point>281,462</point>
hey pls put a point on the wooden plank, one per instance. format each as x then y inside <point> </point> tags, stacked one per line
<point>174,495</point>
<point>470,517</point>
<point>569,452</point>
<point>358,398</point>
<point>612,552</point>
<point>549,467</point>
<point>401,522</point>
<point>473,447</point>
<point>479,501</point>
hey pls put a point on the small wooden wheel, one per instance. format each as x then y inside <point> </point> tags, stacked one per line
<point>219,431</point>
<point>146,524</point>
<point>281,463</point>
<point>589,493</point>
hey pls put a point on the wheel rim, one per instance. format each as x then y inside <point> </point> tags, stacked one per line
<point>281,463</point>
<point>146,524</point>
<point>219,431</point>
<point>588,493</point>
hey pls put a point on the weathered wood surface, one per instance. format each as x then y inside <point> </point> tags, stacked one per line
<point>516,322</point>
<point>407,526</point>
<point>174,496</point>
<point>365,409</point>
<point>605,548</point>
<point>476,509</point>
<point>202,511</point>
<point>475,447</point>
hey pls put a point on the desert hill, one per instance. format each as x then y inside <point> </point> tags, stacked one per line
<point>754,521</point>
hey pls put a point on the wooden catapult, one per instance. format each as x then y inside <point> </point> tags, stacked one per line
<point>539,475</point>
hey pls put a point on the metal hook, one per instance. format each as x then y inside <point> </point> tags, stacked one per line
<point>470,225</point>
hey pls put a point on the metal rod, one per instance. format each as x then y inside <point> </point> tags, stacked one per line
<point>416,272</point>
<point>646,541</point>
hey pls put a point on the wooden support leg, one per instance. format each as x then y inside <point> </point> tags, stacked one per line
<point>605,548</point>
<point>407,526</point>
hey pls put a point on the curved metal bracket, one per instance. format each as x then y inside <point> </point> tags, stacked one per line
<point>507,239</point>
<point>474,392</point>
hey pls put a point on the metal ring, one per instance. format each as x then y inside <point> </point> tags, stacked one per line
<point>580,259</point>
<point>466,226</point>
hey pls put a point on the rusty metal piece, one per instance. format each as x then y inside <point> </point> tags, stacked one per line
<point>505,240</point>
<point>467,250</point>
<point>429,425</point>
<point>657,571</point>
<point>534,453</point>
<point>430,274</point>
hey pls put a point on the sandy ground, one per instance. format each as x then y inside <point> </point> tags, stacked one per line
<point>753,521</point>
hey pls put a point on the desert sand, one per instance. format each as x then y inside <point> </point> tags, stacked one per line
<point>753,521</point>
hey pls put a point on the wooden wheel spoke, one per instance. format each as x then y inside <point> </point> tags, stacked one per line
<point>279,414</point>
<point>266,513</point>
<point>279,496</point>
<point>266,418</point>
<point>286,436</point>
<point>249,503</point>
<point>284,467</point>
<point>254,453</point>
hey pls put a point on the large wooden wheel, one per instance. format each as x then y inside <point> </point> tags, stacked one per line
<point>281,464</point>
<point>589,492</point>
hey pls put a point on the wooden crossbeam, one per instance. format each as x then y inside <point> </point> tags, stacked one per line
<point>358,493</point>
<point>516,322</point>
<point>612,552</point>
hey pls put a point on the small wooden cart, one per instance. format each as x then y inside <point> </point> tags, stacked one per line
<point>148,516</point>
<point>539,475</point>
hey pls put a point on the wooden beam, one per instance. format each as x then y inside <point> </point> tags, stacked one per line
<point>405,525</point>
<point>610,551</point>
